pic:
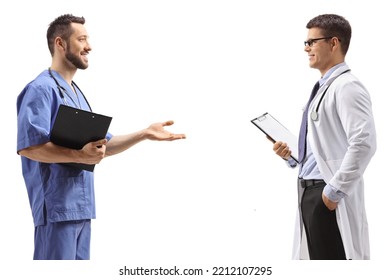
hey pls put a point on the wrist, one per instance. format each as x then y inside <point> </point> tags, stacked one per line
<point>333,194</point>
<point>144,134</point>
<point>76,156</point>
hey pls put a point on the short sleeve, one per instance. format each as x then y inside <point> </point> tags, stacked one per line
<point>34,116</point>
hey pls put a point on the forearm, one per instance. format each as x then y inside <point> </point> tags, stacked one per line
<point>120,143</point>
<point>155,132</point>
<point>355,112</point>
<point>51,153</point>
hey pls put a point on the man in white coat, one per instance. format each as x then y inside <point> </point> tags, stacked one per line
<point>337,142</point>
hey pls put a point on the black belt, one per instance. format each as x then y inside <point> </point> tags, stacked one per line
<point>311,183</point>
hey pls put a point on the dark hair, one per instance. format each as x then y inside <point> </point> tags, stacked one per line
<point>61,27</point>
<point>333,26</point>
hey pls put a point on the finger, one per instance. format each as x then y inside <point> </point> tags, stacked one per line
<point>178,136</point>
<point>99,143</point>
<point>284,151</point>
<point>286,155</point>
<point>167,123</point>
<point>276,146</point>
<point>173,136</point>
<point>279,147</point>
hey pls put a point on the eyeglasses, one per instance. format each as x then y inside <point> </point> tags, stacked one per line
<point>310,42</point>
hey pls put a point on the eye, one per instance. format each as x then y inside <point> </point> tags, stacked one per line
<point>82,39</point>
<point>309,43</point>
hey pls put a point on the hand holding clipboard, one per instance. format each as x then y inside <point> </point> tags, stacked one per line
<point>275,132</point>
<point>74,128</point>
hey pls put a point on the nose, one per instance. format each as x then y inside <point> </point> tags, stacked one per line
<point>88,46</point>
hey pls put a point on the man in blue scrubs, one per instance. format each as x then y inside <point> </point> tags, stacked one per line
<point>61,197</point>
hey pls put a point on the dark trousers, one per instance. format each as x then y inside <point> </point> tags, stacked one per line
<point>322,232</point>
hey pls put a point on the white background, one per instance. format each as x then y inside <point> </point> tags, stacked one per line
<point>221,197</point>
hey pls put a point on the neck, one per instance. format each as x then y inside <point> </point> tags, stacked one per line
<point>66,73</point>
<point>326,69</point>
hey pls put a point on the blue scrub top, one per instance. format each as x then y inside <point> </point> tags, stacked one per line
<point>56,192</point>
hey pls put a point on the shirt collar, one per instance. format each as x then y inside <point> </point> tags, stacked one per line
<point>330,72</point>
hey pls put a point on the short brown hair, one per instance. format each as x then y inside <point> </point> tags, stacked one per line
<point>61,27</point>
<point>333,26</point>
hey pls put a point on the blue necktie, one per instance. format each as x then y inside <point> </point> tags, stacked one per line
<point>303,131</point>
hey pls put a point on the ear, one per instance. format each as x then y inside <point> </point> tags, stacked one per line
<point>335,42</point>
<point>60,43</point>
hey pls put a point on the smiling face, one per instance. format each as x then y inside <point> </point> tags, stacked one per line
<point>320,52</point>
<point>78,47</point>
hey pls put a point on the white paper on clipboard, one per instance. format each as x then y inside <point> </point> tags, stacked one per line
<point>277,132</point>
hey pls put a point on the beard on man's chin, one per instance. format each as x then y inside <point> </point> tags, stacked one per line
<point>76,61</point>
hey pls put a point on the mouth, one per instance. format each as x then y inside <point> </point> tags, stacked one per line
<point>84,56</point>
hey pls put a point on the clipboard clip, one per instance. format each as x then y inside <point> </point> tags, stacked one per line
<point>262,118</point>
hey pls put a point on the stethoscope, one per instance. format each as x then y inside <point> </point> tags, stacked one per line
<point>63,92</point>
<point>314,113</point>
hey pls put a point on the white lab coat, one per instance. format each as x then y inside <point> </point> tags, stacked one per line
<point>343,141</point>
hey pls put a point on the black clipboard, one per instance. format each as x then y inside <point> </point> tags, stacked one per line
<point>277,132</point>
<point>73,128</point>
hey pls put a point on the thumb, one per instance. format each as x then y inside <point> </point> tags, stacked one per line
<point>167,123</point>
<point>99,143</point>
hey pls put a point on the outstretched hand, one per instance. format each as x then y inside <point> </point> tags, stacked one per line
<point>157,132</point>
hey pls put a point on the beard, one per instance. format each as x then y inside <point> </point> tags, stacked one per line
<point>75,60</point>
